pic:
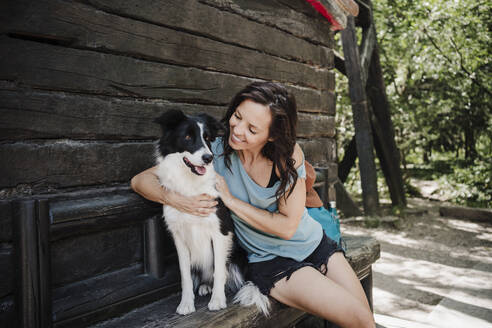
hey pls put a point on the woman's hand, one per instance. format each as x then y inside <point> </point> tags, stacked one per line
<point>201,205</point>
<point>223,189</point>
<point>147,185</point>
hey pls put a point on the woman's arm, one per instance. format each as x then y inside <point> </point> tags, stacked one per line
<point>282,224</point>
<point>147,185</point>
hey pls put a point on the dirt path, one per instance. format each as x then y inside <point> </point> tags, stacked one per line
<point>433,270</point>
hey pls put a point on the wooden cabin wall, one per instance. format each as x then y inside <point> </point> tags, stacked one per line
<point>81,81</point>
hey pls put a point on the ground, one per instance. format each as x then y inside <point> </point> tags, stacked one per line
<point>433,271</point>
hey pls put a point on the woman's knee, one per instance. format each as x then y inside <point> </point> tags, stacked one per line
<point>363,318</point>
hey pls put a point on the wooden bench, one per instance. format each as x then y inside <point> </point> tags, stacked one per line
<point>83,257</point>
<point>362,252</point>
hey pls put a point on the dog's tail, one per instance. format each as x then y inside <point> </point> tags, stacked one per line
<point>250,294</point>
<point>247,293</point>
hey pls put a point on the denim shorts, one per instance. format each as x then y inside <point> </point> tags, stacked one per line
<point>266,273</point>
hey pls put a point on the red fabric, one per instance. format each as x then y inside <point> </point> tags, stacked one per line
<point>322,10</point>
<point>312,197</point>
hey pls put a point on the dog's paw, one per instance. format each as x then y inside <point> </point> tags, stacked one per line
<point>217,303</point>
<point>204,289</point>
<point>186,307</point>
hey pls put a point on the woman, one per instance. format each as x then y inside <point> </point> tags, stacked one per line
<point>260,178</point>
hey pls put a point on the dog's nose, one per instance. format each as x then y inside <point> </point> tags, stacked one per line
<point>207,158</point>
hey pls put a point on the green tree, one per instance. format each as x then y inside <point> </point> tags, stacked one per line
<point>435,57</point>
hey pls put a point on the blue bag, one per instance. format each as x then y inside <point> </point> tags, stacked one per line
<point>329,220</point>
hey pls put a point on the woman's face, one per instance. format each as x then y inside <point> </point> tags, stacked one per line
<point>250,126</point>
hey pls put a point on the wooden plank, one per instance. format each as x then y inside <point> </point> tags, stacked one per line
<point>78,258</point>
<point>194,18</point>
<point>292,16</point>
<point>366,50</point>
<point>362,125</point>
<point>88,28</point>
<point>65,163</point>
<point>361,253</point>
<point>107,295</point>
<point>44,66</point>
<point>80,209</point>
<point>387,150</point>
<point>467,213</point>
<point>82,215</point>
<point>31,114</point>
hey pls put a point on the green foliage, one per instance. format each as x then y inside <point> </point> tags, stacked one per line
<point>435,57</point>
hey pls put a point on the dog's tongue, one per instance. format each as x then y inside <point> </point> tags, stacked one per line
<point>200,169</point>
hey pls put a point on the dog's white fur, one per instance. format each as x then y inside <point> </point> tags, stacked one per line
<point>199,241</point>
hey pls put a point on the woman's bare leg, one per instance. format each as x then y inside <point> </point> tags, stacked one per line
<point>309,290</point>
<point>340,271</point>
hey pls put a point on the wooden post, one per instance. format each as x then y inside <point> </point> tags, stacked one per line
<point>33,265</point>
<point>363,134</point>
<point>388,153</point>
<point>154,246</point>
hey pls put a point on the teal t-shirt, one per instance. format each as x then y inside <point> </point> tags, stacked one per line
<point>259,245</point>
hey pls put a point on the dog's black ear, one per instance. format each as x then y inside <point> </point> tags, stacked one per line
<point>216,128</point>
<point>170,119</point>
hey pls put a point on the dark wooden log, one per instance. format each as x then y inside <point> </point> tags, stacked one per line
<point>362,125</point>
<point>65,163</point>
<point>348,161</point>
<point>291,16</point>
<point>96,30</point>
<point>36,115</point>
<point>319,152</point>
<point>76,163</point>
<point>467,213</point>
<point>388,153</point>
<point>33,115</point>
<point>43,66</point>
<point>194,18</point>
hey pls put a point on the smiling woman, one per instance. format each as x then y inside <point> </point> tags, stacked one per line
<point>290,258</point>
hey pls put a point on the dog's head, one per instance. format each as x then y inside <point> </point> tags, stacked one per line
<point>190,137</point>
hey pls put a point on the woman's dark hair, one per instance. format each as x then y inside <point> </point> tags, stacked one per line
<point>282,129</point>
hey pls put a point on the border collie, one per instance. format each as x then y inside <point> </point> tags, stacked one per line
<point>204,244</point>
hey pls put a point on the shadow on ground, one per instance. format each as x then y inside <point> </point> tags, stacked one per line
<point>434,271</point>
